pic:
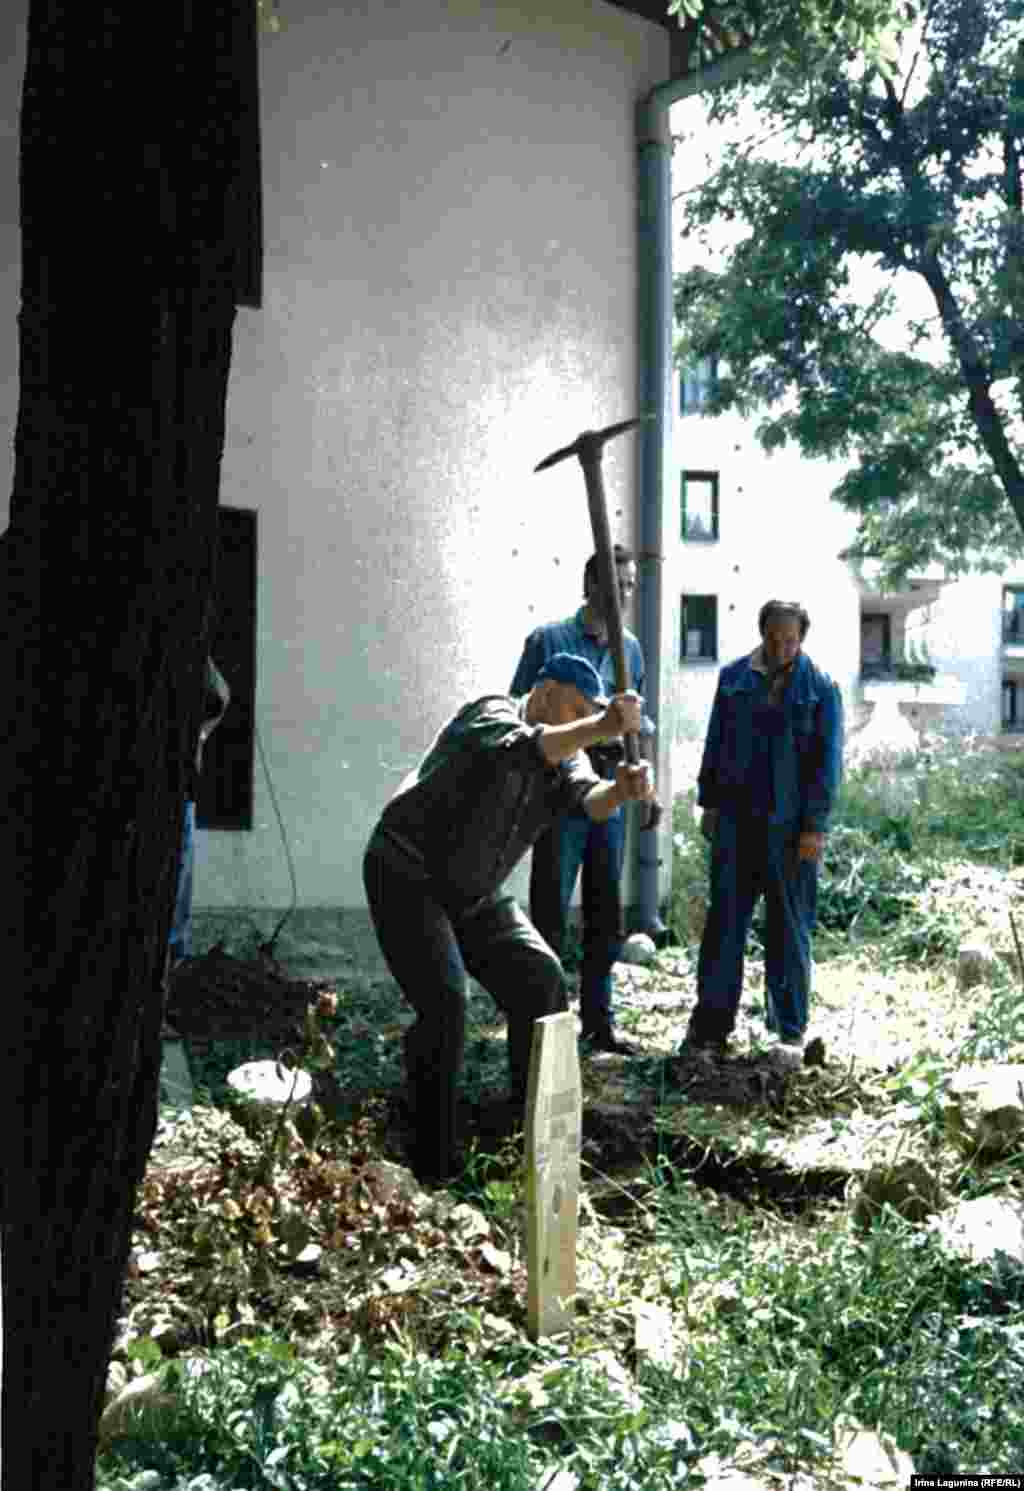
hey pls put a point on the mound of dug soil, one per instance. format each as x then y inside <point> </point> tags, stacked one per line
<point>220,997</point>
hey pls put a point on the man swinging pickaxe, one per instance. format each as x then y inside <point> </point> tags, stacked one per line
<point>588,448</point>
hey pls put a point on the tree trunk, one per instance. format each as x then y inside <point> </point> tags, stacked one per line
<point>140,212</point>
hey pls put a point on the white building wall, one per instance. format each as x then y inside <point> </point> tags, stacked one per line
<point>450,293</point>
<point>779,536</point>
<point>962,630</point>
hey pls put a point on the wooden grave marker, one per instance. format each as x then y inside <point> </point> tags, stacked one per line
<point>554,1120</point>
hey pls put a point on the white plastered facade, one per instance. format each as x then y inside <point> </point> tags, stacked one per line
<point>450,292</point>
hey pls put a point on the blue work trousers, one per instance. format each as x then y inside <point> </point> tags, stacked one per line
<point>180,940</point>
<point>574,842</point>
<point>750,858</point>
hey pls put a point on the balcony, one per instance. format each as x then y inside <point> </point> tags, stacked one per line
<point>884,670</point>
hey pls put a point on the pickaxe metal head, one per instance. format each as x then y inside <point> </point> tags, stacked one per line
<point>589,444</point>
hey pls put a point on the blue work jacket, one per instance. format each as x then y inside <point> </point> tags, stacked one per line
<point>572,636</point>
<point>806,751</point>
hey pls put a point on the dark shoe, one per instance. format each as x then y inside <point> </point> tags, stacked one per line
<point>814,1052</point>
<point>432,1166</point>
<point>605,1040</point>
<point>498,1119</point>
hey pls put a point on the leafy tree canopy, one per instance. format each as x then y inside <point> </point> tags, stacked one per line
<point>916,175</point>
<point>794,34</point>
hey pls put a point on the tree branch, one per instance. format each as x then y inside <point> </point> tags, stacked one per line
<point>917,55</point>
<point>977,379</point>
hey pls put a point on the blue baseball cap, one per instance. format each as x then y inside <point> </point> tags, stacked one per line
<point>566,667</point>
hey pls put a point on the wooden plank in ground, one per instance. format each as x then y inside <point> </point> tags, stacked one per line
<point>554,1117</point>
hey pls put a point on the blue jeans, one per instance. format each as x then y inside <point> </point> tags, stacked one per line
<point>751,858</point>
<point>180,940</point>
<point>574,842</point>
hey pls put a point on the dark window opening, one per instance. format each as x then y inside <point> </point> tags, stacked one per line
<point>699,630</point>
<point>699,506</point>
<point>875,645</point>
<point>1013,614</point>
<point>1013,704</point>
<point>225,797</point>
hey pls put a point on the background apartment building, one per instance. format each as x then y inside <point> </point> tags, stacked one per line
<point>752,525</point>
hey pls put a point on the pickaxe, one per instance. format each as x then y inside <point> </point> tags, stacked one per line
<point>588,448</point>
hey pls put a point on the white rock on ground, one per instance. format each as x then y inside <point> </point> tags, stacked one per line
<point>867,1459</point>
<point>559,1480</point>
<point>984,1230</point>
<point>983,1109</point>
<point>263,1083</point>
<point>862,1458</point>
<point>975,964</point>
<point>392,1182</point>
<point>638,948</point>
<point>654,1337</point>
<point>144,1398</point>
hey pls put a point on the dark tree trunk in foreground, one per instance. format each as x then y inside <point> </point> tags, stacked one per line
<point>140,236</point>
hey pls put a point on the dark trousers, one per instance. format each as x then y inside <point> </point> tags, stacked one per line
<point>429,953</point>
<point>751,858</point>
<point>573,842</point>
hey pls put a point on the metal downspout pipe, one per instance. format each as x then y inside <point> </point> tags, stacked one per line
<point>654,149</point>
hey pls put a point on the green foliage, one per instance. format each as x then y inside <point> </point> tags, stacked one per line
<point>786,1324</point>
<point>790,34</point>
<point>915,175</point>
<point>862,891</point>
<point>921,863</point>
<point>787,1330</point>
<point>269,19</point>
<point>997,1026</point>
<point>790,1328</point>
<point>917,856</point>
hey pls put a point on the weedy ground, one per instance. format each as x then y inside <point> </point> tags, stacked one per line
<point>325,1327</point>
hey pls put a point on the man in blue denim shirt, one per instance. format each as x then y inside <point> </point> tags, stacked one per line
<point>768,783</point>
<point>575,841</point>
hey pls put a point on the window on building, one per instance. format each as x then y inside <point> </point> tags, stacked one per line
<point>875,644</point>
<point>225,798</point>
<point>699,506</point>
<point>699,631</point>
<point>697,384</point>
<point>1013,703</point>
<point>1013,613</point>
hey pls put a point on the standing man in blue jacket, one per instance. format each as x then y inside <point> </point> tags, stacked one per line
<point>768,783</point>
<point>576,840</point>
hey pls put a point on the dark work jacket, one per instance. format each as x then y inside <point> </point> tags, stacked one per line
<point>806,751</point>
<point>481,796</point>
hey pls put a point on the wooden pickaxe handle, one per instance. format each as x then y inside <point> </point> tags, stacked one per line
<point>588,448</point>
<point>590,460</point>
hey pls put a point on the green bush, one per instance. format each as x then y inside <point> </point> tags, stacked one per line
<point>903,849</point>
<point>791,1327</point>
<point>861,888</point>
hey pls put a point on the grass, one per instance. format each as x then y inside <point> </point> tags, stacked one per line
<point>783,1323</point>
